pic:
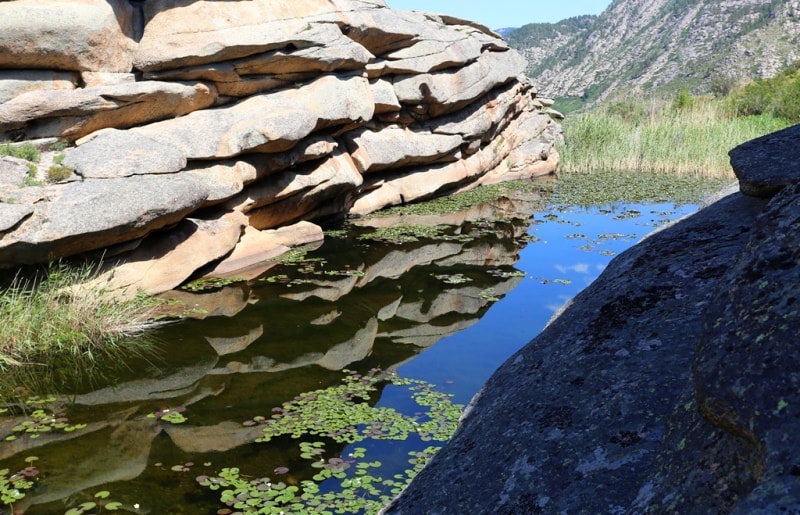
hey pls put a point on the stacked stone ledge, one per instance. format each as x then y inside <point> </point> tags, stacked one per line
<point>206,137</point>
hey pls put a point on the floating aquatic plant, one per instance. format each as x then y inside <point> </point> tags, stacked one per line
<point>14,486</point>
<point>41,416</point>
<point>210,283</point>
<point>99,504</point>
<point>545,280</point>
<point>489,294</point>
<point>343,414</point>
<point>452,278</point>
<point>403,233</point>
<point>359,488</point>
<point>505,274</point>
<point>171,415</point>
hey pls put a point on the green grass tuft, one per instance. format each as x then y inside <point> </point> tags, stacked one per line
<point>26,151</point>
<point>46,317</point>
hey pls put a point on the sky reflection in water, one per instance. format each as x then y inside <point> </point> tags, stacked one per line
<point>574,246</point>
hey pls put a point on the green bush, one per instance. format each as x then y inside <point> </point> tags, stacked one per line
<point>58,173</point>
<point>778,96</point>
<point>25,151</point>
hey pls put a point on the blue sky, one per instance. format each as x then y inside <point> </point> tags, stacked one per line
<point>498,14</point>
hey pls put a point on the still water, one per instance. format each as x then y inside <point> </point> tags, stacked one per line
<point>446,308</point>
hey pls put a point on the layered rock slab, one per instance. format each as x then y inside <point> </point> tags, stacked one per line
<point>72,114</point>
<point>77,218</point>
<point>266,123</point>
<point>93,35</point>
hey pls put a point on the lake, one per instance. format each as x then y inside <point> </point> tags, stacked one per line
<point>392,323</point>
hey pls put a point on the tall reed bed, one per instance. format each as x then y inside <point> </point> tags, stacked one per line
<point>682,136</point>
<point>48,315</point>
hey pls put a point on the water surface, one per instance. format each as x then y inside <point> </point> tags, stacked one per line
<point>447,309</point>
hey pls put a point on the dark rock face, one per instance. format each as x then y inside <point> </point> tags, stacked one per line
<point>670,385</point>
<point>766,164</point>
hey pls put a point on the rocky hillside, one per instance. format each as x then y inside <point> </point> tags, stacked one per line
<point>189,137</point>
<point>638,46</point>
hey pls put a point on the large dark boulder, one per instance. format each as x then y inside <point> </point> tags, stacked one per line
<point>670,385</point>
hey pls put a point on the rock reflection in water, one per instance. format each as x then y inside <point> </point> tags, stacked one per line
<point>354,303</point>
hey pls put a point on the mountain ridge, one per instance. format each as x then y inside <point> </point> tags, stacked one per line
<point>637,47</point>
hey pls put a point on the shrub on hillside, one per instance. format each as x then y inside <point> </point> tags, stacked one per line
<point>778,96</point>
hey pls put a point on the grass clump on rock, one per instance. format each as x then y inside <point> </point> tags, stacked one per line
<point>49,316</point>
<point>26,151</point>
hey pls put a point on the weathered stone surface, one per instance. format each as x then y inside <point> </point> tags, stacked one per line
<point>746,364</point>
<point>385,99</point>
<point>116,154</point>
<point>164,261</point>
<point>17,82</point>
<point>94,35</point>
<point>291,182</point>
<point>12,172</point>
<point>574,420</point>
<point>226,179</point>
<point>72,114</point>
<point>669,385</point>
<point>322,48</point>
<point>396,188</point>
<point>228,82</point>
<point>532,158</point>
<point>96,79</point>
<point>450,49</point>
<point>767,164</point>
<point>77,218</point>
<point>480,30</point>
<point>256,247</point>
<point>267,123</point>
<point>483,119</point>
<point>383,30</point>
<point>309,195</point>
<point>396,147</point>
<point>180,33</point>
<point>13,214</point>
<point>446,92</point>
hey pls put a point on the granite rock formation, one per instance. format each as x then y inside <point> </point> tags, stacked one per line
<point>670,385</point>
<point>182,115</point>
